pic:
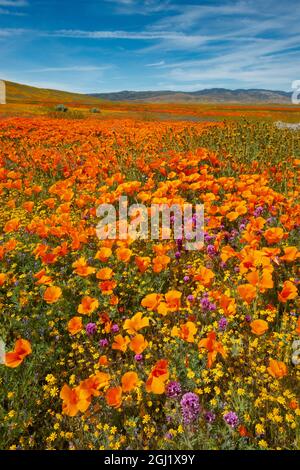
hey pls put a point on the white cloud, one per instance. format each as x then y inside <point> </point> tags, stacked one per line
<point>75,68</point>
<point>13,3</point>
<point>134,35</point>
<point>156,64</point>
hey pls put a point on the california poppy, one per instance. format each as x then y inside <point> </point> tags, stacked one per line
<point>134,324</point>
<point>151,301</point>
<point>213,347</point>
<point>247,292</point>
<point>138,344</point>
<point>75,325</point>
<point>74,400</point>
<point>114,397</point>
<point>88,305</point>
<point>52,294</point>
<point>277,369</point>
<point>129,381</point>
<point>121,343</point>
<point>288,292</point>
<point>21,350</point>
<point>259,327</point>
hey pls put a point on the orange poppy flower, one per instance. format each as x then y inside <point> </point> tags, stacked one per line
<point>262,280</point>
<point>228,305</point>
<point>289,292</point>
<point>103,254</point>
<point>247,292</point>
<point>213,347</point>
<point>173,300</point>
<point>103,361</point>
<point>204,276</point>
<point>94,383</point>
<point>172,303</point>
<point>82,268</point>
<point>21,350</point>
<point>138,344</point>
<point>274,235</point>
<point>151,301</point>
<point>74,400</point>
<point>104,274</point>
<point>277,369</point>
<point>123,254</point>
<point>2,279</point>
<point>142,263</point>
<point>259,327</point>
<point>134,324</point>
<point>52,294</point>
<point>157,378</point>
<point>293,405</point>
<point>107,287</point>
<point>114,397</point>
<point>88,305</point>
<point>129,381</point>
<point>185,332</point>
<point>28,206</point>
<point>243,431</point>
<point>291,253</point>
<point>121,343</point>
<point>75,325</point>
<point>160,263</point>
<point>12,225</point>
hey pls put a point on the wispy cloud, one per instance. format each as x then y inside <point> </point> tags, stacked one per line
<point>11,32</point>
<point>134,35</point>
<point>13,3</point>
<point>156,64</point>
<point>142,7</point>
<point>75,68</point>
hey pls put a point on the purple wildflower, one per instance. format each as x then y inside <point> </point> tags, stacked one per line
<point>115,328</point>
<point>209,417</point>
<point>173,389</point>
<point>103,343</point>
<point>211,250</point>
<point>190,407</point>
<point>91,329</point>
<point>231,419</point>
<point>258,211</point>
<point>223,323</point>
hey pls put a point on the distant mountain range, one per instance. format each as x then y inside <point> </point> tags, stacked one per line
<point>212,95</point>
<point>19,93</point>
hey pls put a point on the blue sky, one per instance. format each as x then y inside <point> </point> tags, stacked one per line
<point>112,45</point>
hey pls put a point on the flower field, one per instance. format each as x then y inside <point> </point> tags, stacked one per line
<point>121,344</point>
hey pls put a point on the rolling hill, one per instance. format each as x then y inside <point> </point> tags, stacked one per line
<point>213,95</point>
<point>18,93</point>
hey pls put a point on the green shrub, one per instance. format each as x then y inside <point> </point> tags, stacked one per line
<point>61,108</point>
<point>95,110</point>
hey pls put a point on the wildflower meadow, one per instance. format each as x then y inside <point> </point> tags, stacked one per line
<point>137,344</point>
